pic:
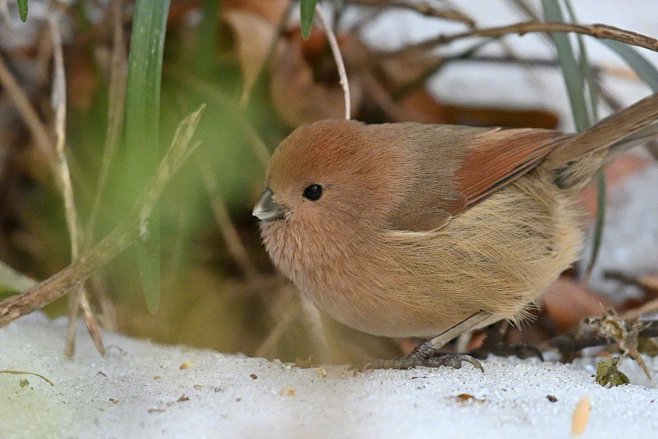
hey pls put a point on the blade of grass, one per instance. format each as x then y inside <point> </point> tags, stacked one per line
<point>115,242</point>
<point>207,38</point>
<point>307,14</point>
<point>601,185</point>
<point>587,71</point>
<point>573,78</point>
<point>142,128</point>
<point>643,68</point>
<point>22,9</point>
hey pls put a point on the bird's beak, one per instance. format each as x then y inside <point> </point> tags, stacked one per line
<point>266,209</point>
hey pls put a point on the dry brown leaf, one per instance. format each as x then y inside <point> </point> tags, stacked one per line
<point>568,302</point>
<point>467,397</point>
<point>253,38</point>
<point>270,10</point>
<point>297,97</point>
<point>82,80</point>
<point>616,173</point>
<point>420,106</point>
<point>649,282</point>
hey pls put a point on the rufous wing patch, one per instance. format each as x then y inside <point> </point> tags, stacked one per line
<point>500,156</point>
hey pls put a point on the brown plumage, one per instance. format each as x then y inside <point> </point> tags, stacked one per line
<point>409,229</point>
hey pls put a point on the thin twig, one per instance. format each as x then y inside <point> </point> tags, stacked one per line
<point>338,57</point>
<point>648,308</point>
<point>59,107</point>
<point>291,312</point>
<point>522,28</point>
<point>233,243</point>
<point>22,372</point>
<point>317,330</point>
<point>27,113</point>
<point>66,187</point>
<point>121,237</point>
<point>589,337</point>
<point>423,8</point>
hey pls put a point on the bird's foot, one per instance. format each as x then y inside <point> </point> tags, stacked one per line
<point>436,360</point>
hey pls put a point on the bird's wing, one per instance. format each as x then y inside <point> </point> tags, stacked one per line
<point>455,167</point>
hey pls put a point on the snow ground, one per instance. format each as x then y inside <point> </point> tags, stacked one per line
<point>139,391</point>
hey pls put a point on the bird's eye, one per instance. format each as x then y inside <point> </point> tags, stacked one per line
<point>313,192</point>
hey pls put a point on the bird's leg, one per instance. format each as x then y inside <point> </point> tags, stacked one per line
<point>427,354</point>
<point>495,344</point>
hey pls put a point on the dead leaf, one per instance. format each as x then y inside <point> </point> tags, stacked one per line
<point>467,397</point>
<point>297,97</point>
<point>253,38</point>
<point>568,302</point>
<point>81,79</point>
<point>616,173</point>
<point>270,10</point>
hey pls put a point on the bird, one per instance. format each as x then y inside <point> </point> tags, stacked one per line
<point>428,230</point>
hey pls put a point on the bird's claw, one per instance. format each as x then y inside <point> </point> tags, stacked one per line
<point>450,360</point>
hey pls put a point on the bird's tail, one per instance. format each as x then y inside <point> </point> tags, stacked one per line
<point>629,127</point>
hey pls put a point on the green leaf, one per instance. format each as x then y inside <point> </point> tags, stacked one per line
<point>142,128</point>
<point>643,68</point>
<point>22,9</point>
<point>601,184</point>
<point>207,38</point>
<point>573,77</point>
<point>307,14</point>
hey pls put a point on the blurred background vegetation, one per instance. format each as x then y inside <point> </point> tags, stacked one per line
<point>247,60</point>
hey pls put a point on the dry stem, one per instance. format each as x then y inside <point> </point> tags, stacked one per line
<point>233,243</point>
<point>594,30</point>
<point>27,113</point>
<point>338,57</point>
<point>123,235</point>
<point>589,337</point>
<point>423,8</point>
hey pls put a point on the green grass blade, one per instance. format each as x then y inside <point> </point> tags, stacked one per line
<point>643,68</point>
<point>601,184</point>
<point>22,9</point>
<point>142,128</point>
<point>207,39</point>
<point>586,69</point>
<point>307,14</point>
<point>573,77</point>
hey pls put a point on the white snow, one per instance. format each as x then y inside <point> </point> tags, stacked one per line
<point>139,391</point>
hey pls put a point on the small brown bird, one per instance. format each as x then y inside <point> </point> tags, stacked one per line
<point>412,230</point>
